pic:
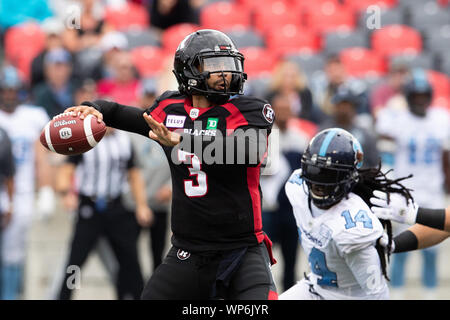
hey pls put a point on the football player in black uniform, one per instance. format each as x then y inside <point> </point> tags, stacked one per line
<point>215,140</point>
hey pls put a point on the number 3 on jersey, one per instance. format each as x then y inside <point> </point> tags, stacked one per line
<point>190,189</point>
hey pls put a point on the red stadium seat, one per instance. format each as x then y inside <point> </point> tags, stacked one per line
<point>258,61</point>
<point>290,38</point>
<point>362,62</point>
<point>22,44</point>
<point>277,14</point>
<point>148,60</point>
<point>173,35</point>
<point>441,88</point>
<point>130,15</point>
<point>396,39</point>
<point>364,4</point>
<point>330,16</point>
<point>225,16</point>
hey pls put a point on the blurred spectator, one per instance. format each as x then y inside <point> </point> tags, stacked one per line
<point>53,29</point>
<point>23,124</point>
<point>91,26</point>
<point>278,218</point>
<point>56,93</point>
<point>156,173</point>
<point>325,86</point>
<point>166,13</point>
<point>345,116</point>
<point>7,170</point>
<point>392,86</point>
<point>14,12</point>
<point>416,140</point>
<point>290,81</point>
<point>123,86</point>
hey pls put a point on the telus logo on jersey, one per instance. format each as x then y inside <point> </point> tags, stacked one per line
<point>174,121</point>
<point>65,133</point>
<point>63,123</point>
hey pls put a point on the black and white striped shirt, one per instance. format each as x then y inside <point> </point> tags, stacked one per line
<point>102,171</point>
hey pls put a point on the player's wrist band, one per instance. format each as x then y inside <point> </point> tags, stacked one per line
<point>434,218</point>
<point>405,241</point>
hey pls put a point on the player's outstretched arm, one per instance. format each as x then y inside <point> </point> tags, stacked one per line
<point>397,209</point>
<point>114,115</point>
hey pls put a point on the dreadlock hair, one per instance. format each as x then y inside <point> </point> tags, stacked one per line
<point>371,179</point>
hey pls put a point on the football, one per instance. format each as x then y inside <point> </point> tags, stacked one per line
<point>70,135</point>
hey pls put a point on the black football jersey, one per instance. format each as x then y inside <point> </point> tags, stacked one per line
<point>216,205</point>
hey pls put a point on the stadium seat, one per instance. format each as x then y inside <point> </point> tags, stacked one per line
<point>225,15</point>
<point>138,38</point>
<point>329,17</point>
<point>173,35</point>
<point>387,17</point>
<point>437,39</point>
<point>360,5</point>
<point>148,60</point>
<point>423,61</point>
<point>22,44</point>
<point>290,39</point>
<point>308,63</point>
<point>259,62</point>
<point>362,62</point>
<point>334,42</point>
<point>275,15</point>
<point>396,39</point>
<point>129,15</point>
<point>246,38</point>
<point>431,14</point>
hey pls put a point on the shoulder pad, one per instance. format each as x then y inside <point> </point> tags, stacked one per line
<point>258,112</point>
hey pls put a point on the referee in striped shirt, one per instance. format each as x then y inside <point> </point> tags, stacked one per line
<point>101,176</point>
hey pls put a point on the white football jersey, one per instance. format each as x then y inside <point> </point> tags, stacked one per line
<point>420,142</point>
<point>339,244</point>
<point>24,127</point>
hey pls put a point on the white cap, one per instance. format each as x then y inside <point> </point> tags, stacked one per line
<point>52,26</point>
<point>113,40</point>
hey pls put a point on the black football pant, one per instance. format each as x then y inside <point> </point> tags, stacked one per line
<point>158,236</point>
<point>120,228</point>
<point>186,276</point>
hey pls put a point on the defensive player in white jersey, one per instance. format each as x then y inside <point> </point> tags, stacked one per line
<point>338,231</point>
<point>420,140</point>
<point>23,124</point>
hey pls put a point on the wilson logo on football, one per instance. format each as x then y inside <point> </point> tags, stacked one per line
<point>65,133</point>
<point>63,123</point>
<point>183,255</point>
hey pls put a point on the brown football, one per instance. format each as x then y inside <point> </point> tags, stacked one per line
<point>69,135</point>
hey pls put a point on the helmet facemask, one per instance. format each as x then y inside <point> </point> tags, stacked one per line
<point>226,66</point>
<point>327,184</point>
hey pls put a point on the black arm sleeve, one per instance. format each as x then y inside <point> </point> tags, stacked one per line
<point>433,218</point>
<point>121,117</point>
<point>246,146</point>
<point>405,241</point>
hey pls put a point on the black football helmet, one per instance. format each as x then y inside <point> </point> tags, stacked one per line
<point>329,166</point>
<point>418,92</point>
<point>203,53</point>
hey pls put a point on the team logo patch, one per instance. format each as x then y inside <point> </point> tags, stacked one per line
<point>183,255</point>
<point>212,123</point>
<point>194,113</point>
<point>173,121</point>
<point>268,113</point>
<point>65,133</point>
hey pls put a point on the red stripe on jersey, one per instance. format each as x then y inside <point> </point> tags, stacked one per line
<point>272,295</point>
<point>158,113</point>
<point>255,194</point>
<point>235,119</point>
